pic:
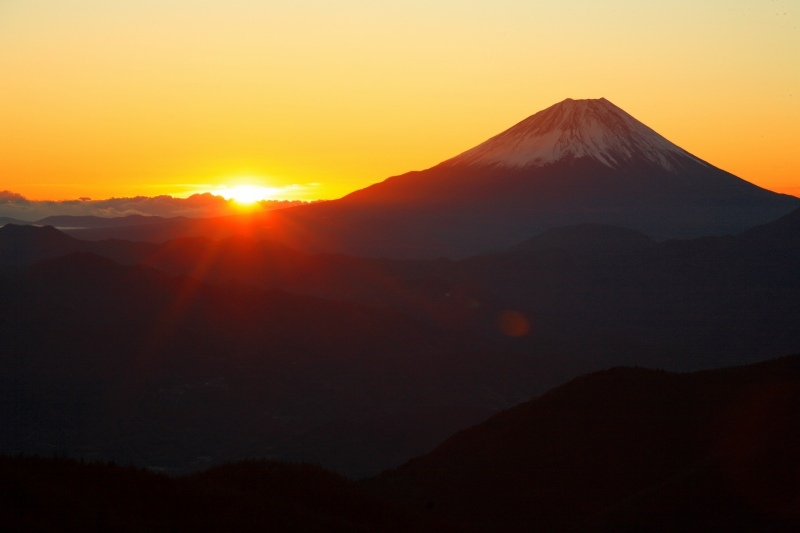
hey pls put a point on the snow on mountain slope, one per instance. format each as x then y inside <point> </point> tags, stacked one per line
<point>573,129</point>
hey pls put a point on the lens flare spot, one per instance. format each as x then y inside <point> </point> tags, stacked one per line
<point>513,324</point>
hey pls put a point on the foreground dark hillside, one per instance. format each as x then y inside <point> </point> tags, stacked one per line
<point>65,495</point>
<point>629,449</point>
<point>626,449</point>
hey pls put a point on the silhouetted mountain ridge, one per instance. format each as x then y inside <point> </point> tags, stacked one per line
<point>23,244</point>
<point>609,450</point>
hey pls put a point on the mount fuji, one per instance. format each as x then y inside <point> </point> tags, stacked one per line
<point>578,161</point>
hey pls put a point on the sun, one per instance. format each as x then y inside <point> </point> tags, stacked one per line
<point>246,194</point>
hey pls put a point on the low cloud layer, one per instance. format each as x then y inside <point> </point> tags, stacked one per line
<point>13,205</point>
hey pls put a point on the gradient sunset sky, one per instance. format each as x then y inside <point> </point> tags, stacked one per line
<point>318,98</point>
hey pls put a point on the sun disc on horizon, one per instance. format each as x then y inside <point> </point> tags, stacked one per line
<point>247,194</point>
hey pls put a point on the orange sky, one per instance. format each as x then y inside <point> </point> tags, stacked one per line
<point>318,98</point>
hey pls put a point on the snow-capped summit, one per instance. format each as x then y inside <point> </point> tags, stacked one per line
<point>593,128</point>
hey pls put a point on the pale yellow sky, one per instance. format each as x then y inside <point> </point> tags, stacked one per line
<point>107,99</point>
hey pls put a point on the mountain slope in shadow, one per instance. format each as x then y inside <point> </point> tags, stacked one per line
<point>626,447</point>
